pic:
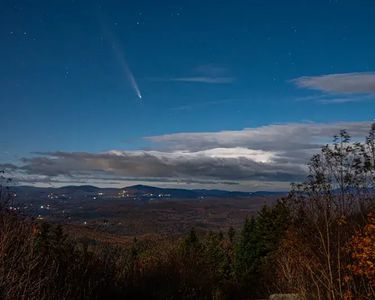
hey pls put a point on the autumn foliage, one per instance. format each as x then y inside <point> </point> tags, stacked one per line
<point>362,267</point>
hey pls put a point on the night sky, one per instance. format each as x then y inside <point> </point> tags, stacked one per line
<point>214,94</point>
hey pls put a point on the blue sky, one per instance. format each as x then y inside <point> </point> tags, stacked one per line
<point>200,66</point>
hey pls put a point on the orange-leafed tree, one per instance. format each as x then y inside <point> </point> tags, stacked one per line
<point>362,268</point>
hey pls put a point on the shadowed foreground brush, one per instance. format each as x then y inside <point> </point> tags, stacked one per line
<point>39,262</point>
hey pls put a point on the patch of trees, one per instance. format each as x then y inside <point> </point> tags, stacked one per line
<point>319,243</point>
<point>318,252</point>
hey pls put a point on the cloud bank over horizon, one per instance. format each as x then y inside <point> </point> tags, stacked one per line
<point>267,157</point>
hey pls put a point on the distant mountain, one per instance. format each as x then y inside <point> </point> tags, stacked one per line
<point>141,192</point>
<point>198,193</point>
<point>81,188</point>
<point>155,191</point>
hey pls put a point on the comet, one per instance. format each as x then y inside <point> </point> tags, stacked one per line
<point>125,68</point>
<point>119,53</point>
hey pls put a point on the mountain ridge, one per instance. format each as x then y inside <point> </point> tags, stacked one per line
<point>140,189</point>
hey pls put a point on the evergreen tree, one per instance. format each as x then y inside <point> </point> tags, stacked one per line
<point>259,239</point>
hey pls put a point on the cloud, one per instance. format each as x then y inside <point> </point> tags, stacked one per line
<point>346,83</point>
<point>197,79</point>
<point>212,70</point>
<point>261,157</point>
<point>210,73</point>
<point>201,79</point>
<point>7,166</point>
<point>337,99</point>
<point>279,137</point>
<point>213,164</point>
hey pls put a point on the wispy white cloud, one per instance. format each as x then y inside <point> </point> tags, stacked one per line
<point>210,73</point>
<point>336,99</point>
<point>339,88</point>
<point>202,79</point>
<point>277,137</point>
<point>196,79</point>
<point>346,83</point>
